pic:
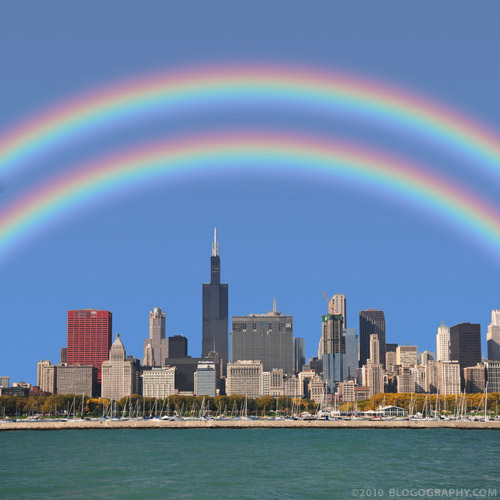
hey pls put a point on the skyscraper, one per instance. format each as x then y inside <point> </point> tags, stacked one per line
<point>351,361</point>
<point>156,345</point>
<point>443,343</point>
<point>493,336</point>
<point>332,334</point>
<point>299,354</point>
<point>465,346</point>
<point>264,337</point>
<point>374,369</point>
<point>215,309</point>
<point>89,338</point>
<point>371,321</point>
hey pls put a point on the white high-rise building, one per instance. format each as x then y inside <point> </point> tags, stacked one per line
<point>118,374</point>
<point>449,377</point>
<point>158,382</point>
<point>493,336</point>
<point>443,343</point>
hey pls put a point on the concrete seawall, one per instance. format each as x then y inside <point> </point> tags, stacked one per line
<point>247,424</point>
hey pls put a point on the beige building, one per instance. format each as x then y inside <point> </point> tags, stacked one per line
<point>39,367</point>
<point>405,380</point>
<point>362,392</point>
<point>118,374</point>
<point>245,377</point>
<point>276,380</point>
<point>431,377</point>
<point>266,383</point>
<point>448,377</point>
<point>346,390</point>
<point>390,360</point>
<point>291,387</point>
<point>407,355</point>
<point>76,379</point>
<point>374,371</point>
<point>158,382</point>
<point>46,376</point>
<point>48,379</point>
<point>418,378</point>
<point>316,389</point>
<point>474,377</point>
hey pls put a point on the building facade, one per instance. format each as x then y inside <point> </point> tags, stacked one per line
<point>244,377</point>
<point>407,355</point>
<point>449,379</point>
<point>47,377</point>
<point>76,379</point>
<point>89,338</point>
<point>265,337</point>
<point>158,382</point>
<point>118,373</point>
<point>475,378</point>
<point>205,379</point>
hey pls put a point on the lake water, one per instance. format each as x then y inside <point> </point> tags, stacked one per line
<point>250,464</point>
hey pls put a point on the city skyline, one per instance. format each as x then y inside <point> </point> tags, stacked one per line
<point>370,320</point>
<point>88,330</point>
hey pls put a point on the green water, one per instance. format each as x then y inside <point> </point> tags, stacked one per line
<point>249,463</point>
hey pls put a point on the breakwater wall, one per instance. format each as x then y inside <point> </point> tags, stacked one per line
<point>247,424</point>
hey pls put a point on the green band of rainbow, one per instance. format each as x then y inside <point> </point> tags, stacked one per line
<point>401,179</point>
<point>300,86</point>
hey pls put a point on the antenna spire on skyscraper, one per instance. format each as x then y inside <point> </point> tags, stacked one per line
<point>215,245</point>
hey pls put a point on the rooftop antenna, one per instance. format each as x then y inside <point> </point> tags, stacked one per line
<point>215,245</point>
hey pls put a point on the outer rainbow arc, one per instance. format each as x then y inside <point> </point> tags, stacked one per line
<point>399,177</point>
<point>360,95</point>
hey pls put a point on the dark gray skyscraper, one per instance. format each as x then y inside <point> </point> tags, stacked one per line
<point>465,345</point>
<point>371,321</point>
<point>264,337</point>
<point>215,300</point>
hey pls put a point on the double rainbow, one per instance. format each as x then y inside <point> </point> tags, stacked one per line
<point>302,87</point>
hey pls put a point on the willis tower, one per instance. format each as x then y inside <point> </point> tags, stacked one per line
<point>215,299</point>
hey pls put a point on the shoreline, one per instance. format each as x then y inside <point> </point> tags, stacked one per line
<point>248,424</point>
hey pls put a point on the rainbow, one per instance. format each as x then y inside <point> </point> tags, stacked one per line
<point>404,181</point>
<point>296,86</point>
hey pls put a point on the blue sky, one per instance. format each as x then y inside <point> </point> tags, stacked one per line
<point>281,235</point>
